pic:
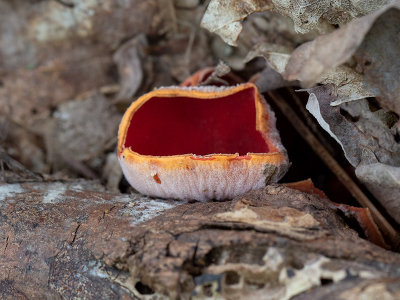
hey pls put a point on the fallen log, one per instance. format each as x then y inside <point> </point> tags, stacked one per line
<point>74,240</point>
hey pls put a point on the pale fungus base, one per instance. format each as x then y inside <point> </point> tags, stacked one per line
<point>200,143</point>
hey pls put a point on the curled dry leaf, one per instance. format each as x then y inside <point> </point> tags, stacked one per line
<point>350,84</point>
<point>277,57</point>
<point>309,14</point>
<point>224,17</point>
<point>129,59</point>
<point>367,136</point>
<point>261,32</point>
<point>51,53</point>
<point>81,131</point>
<point>355,126</point>
<point>378,58</point>
<point>312,60</point>
<point>33,33</point>
<point>384,182</point>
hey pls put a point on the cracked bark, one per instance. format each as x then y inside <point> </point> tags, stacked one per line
<point>66,240</point>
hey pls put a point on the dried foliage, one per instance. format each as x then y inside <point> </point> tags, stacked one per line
<point>312,60</point>
<point>224,17</point>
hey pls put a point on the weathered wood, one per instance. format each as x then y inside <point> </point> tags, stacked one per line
<point>66,240</point>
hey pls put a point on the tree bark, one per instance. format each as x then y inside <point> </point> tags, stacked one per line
<point>74,240</point>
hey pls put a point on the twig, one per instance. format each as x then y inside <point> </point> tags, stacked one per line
<point>332,164</point>
<point>220,70</point>
<point>79,167</point>
<point>66,3</point>
<point>17,168</point>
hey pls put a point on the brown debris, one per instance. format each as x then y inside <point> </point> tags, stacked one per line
<point>224,17</point>
<point>368,139</point>
<point>80,132</point>
<point>129,60</point>
<point>309,62</point>
<point>381,65</point>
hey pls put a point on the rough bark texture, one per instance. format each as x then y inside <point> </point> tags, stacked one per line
<point>73,240</point>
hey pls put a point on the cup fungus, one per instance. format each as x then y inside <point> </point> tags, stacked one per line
<point>200,143</point>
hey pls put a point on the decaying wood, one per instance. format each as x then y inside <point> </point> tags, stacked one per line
<point>66,240</point>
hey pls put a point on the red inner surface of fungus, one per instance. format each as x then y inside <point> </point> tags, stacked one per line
<point>182,125</point>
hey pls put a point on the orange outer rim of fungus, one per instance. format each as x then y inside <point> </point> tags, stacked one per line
<point>164,176</point>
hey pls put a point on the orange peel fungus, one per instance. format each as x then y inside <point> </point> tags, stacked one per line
<point>200,143</point>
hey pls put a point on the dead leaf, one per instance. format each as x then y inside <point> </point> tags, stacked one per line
<point>269,79</point>
<point>277,56</point>
<point>28,96</point>
<point>309,62</point>
<point>129,59</point>
<point>224,17</point>
<point>309,14</point>
<point>34,33</point>
<point>378,58</point>
<point>368,139</point>
<point>81,131</point>
<point>354,126</point>
<point>349,84</point>
<point>384,182</point>
<point>360,214</point>
<point>112,172</point>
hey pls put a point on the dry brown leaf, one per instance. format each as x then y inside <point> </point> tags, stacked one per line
<point>129,59</point>
<point>112,173</point>
<point>349,84</point>
<point>367,136</point>
<point>81,131</point>
<point>309,14</point>
<point>260,32</point>
<point>378,58</point>
<point>355,126</point>
<point>268,79</point>
<point>51,53</point>
<point>384,182</point>
<point>33,33</point>
<point>312,60</point>
<point>224,17</point>
<point>28,96</point>
<point>277,56</point>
